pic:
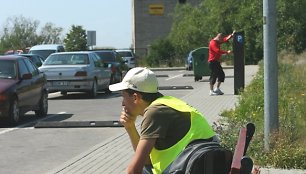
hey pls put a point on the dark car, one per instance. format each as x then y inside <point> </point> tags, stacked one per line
<point>128,57</point>
<point>111,57</point>
<point>23,88</point>
<point>35,58</point>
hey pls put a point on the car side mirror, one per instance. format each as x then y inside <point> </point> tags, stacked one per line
<point>123,60</point>
<point>27,76</point>
<point>107,65</point>
<point>38,64</point>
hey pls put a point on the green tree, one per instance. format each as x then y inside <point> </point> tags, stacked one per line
<point>50,34</point>
<point>248,17</point>
<point>76,39</point>
<point>188,31</point>
<point>18,33</point>
<point>291,31</point>
<point>161,52</point>
<point>195,26</point>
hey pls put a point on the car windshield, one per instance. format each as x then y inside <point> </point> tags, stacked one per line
<point>7,69</point>
<point>43,53</point>
<point>67,59</point>
<point>106,56</point>
<point>125,54</point>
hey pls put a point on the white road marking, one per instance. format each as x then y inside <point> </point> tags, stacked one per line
<point>180,75</point>
<point>29,123</point>
<point>8,130</point>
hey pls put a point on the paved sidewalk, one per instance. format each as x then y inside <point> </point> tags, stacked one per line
<point>113,155</point>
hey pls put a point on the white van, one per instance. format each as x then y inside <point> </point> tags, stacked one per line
<point>46,49</point>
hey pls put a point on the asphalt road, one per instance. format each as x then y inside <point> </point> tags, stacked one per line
<point>28,150</point>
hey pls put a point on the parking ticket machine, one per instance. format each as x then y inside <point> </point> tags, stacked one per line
<point>238,50</point>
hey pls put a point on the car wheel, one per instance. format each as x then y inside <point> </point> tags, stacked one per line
<point>14,112</point>
<point>197,78</point>
<point>93,92</point>
<point>43,106</point>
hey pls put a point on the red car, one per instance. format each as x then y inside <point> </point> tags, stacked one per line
<point>23,88</point>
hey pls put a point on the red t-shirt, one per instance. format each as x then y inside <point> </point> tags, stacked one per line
<point>215,51</point>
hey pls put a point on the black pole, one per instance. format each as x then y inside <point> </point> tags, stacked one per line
<point>238,49</point>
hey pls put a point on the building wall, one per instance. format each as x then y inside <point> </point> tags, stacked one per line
<point>152,20</point>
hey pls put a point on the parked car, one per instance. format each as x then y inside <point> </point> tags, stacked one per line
<point>111,57</point>
<point>188,63</point>
<point>76,72</point>
<point>23,88</point>
<point>45,50</point>
<point>35,58</point>
<point>128,57</point>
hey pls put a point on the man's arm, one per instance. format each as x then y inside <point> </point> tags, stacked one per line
<point>129,124</point>
<point>141,156</point>
<point>225,39</point>
<point>134,136</point>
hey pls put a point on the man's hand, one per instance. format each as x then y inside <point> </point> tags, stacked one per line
<point>256,170</point>
<point>127,120</point>
<point>233,32</point>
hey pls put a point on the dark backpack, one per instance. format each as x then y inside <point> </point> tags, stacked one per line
<point>202,157</point>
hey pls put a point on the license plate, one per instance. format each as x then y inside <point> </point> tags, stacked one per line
<point>60,83</point>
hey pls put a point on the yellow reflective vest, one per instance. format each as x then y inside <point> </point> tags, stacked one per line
<point>199,129</point>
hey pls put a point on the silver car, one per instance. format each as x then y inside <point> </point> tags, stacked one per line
<point>128,57</point>
<point>76,72</point>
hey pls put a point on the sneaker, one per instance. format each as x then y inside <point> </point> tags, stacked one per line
<point>212,93</point>
<point>218,91</point>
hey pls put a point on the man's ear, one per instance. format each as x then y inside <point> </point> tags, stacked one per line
<point>137,97</point>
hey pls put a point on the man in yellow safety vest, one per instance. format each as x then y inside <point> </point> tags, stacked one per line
<point>168,126</point>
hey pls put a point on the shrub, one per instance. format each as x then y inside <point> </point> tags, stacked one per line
<point>161,52</point>
<point>286,146</point>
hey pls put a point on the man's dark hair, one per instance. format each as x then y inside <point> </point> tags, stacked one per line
<point>148,97</point>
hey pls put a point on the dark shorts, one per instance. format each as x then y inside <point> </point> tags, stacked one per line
<point>216,72</point>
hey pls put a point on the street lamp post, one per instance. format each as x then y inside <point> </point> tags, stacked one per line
<point>270,71</point>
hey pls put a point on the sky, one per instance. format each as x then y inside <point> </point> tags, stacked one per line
<point>111,19</point>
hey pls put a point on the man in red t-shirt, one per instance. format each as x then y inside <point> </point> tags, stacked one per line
<point>214,56</point>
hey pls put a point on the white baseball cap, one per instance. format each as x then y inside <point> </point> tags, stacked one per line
<point>139,79</point>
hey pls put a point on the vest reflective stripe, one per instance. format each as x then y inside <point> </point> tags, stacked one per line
<point>199,129</point>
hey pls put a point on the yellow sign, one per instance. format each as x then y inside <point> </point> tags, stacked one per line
<point>156,9</point>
